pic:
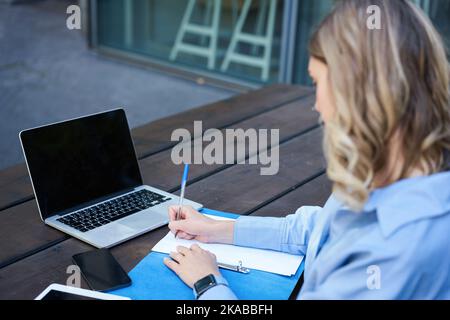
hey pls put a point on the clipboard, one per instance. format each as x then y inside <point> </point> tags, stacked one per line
<point>152,280</point>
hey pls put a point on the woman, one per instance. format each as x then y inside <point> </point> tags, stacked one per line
<point>383,96</point>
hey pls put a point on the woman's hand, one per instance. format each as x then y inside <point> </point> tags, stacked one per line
<point>194,225</point>
<point>192,264</point>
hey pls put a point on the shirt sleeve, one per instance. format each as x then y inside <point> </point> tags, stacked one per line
<point>288,234</point>
<point>219,292</point>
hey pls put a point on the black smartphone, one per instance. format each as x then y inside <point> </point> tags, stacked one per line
<point>101,270</point>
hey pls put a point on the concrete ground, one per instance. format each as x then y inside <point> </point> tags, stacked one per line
<point>48,74</point>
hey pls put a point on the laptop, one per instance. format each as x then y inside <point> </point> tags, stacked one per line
<point>87,182</point>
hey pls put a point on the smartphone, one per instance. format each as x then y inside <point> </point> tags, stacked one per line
<point>101,270</point>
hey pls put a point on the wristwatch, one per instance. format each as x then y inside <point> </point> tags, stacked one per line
<point>202,285</point>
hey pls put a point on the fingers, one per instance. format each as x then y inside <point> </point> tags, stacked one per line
<point>183,250</point>
<point>196,248</point>
<point>176,256</point>
<point>185,235</point>
<point>172,265</point>
<point>180,254</point>
<point>185,212</point>
<point>174,226</point>
<point>173,211</point>
<point>180,227</point>
<point>181,234</point>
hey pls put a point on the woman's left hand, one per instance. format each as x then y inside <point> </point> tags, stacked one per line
<point>192,264</point>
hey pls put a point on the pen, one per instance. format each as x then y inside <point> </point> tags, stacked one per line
<point>183,186</point>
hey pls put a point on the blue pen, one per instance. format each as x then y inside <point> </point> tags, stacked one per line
<point>183,186</point>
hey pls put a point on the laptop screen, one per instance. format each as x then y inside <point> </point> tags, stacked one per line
<point>78,161</point>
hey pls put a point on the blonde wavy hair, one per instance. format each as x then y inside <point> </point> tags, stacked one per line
<point>388,84</point>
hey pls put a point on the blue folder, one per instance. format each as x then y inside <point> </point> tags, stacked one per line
<point>152,280</point>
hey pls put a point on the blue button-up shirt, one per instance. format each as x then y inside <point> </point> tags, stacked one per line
<point>398,247</point>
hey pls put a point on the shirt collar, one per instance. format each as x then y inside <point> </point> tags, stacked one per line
<point>410,200</point>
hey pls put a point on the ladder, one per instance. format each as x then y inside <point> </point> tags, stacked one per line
<point>265,40</point>
<point>211,31</point>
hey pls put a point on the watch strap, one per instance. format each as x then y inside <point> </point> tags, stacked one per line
<point>213,281</point>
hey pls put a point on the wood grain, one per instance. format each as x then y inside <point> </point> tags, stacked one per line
<point>158,170</point>
<point>15,186</point>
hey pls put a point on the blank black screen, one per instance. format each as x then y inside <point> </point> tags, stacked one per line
<point>60,295</point>
<point>101,270</point>
<point>78,161</point>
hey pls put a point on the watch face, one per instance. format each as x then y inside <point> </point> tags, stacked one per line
<point>204,283</point>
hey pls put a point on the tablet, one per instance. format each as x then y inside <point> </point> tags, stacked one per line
<point>61,292</point>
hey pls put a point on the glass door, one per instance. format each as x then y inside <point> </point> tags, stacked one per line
<point>232,38</point>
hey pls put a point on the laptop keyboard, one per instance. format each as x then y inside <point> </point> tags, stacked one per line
<point>118,208</point>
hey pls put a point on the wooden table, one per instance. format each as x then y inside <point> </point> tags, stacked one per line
<point>33,255</point>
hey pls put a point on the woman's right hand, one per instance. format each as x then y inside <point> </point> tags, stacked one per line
<point>194,225</point>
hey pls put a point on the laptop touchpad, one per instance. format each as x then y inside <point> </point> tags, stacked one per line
<point>145,220</point>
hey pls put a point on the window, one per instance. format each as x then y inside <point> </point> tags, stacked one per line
<point>255,41</point>
<point>236,38</point>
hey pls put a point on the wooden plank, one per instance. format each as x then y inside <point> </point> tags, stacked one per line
<point>313,193</point>
<point>292,119</point>
<point>22,233</point>
<point>27,278</point>
<point>217,115</point>
<point>158,170</point>
<point>241,188</point>
<point>300,159</point>
<point>15,186</point>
